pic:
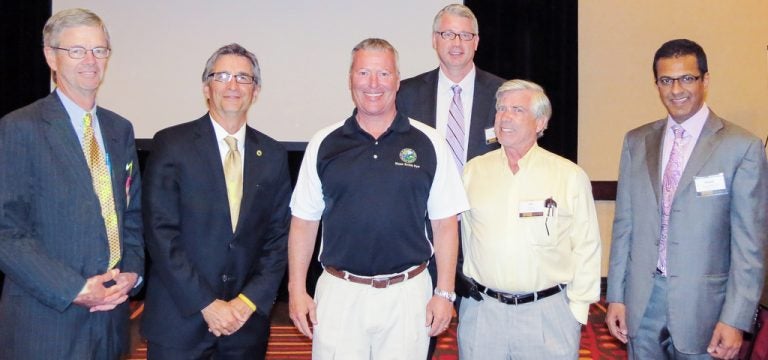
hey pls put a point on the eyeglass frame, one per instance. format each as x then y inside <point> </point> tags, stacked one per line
<point>229,77</point>
<point>683,80</point>
<point>72,50</point>
<point>450,35</point>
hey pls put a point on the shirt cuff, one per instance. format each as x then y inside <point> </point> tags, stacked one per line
<point>247,301</point>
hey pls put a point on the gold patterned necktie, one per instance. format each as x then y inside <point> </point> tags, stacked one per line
<point>102,185</point>
<point>233,174</point>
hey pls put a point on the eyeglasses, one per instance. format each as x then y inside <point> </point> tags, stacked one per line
<point>450,35</point>
<point>666,81</point>
<point>225,77</point>
<point>79,52</point>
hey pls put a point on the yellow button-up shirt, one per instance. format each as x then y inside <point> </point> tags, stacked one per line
<point>512,243</point>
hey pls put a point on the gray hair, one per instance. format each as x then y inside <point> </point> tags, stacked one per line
<point>376,44</point>
<point>540,105</point>
<point>67,19</point>
<point>233,49</point>
<point>456,10</point>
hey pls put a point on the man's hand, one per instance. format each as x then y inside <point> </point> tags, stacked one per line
<point>300,306</point>
<point>439,314</point>
<point>242,311</point>
<point>95,294</point>
<point>124,283</point>
<point>616,319</point>
<point>220,318</point>
<point>726,341</point>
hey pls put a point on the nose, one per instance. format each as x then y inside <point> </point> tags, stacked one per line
<point>374,81</point>
<point>89,58</point>
<point>232,83</point>
<point>676,87</point>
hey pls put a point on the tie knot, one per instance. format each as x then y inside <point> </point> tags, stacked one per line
<point>87,119</point>
<point>232,142</point>
<point>678,131</point>
<point>456,89</point>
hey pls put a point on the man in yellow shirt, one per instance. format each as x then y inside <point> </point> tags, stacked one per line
<point>531,240</point>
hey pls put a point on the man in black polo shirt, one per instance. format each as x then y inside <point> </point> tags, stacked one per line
<point>372,179</point>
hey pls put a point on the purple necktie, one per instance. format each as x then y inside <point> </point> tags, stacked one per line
<point>668,187</point>
<point>455,133</point>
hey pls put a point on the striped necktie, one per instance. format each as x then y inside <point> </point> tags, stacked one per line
<point>102,186</point>
<point>455,133</point>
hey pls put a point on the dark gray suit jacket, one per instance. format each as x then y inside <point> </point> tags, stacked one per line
<point>715,253</point>
<point>194,256</point>
<point>52,235</point>
<point>417,99</point>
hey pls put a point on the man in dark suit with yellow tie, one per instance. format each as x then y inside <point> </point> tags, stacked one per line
<point>216,195</point>
<point>70,216</point>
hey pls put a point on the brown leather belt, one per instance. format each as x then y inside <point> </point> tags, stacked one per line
<point>378,282</point>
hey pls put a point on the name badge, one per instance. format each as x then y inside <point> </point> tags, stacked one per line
<point>531,208</point>
<point>490,136</point>
<point>710,185</point>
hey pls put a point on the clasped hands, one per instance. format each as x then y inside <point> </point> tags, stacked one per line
<point>97,297</point>
<point>226,317</point>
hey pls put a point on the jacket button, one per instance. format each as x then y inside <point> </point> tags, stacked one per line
<point>224,278</point>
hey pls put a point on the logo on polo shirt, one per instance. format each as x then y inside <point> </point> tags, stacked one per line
<point>408,156</point>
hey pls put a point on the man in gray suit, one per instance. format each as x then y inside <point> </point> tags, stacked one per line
<point>686,265</point>
<point>70,215</point>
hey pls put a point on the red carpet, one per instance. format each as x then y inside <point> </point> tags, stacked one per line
<point>286,343</point>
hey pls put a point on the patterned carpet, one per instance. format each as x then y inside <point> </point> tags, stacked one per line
<point>286,343</point>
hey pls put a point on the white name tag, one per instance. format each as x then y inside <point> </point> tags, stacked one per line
<point>490,136</point>
<point>710,185</point>
<point>531,208</point>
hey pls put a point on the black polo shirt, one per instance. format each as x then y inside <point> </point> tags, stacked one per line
<point>373,194</point>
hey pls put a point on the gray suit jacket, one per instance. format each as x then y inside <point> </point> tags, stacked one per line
<point>417,99</point>
<point>716,243</point>
<point>52,235</point>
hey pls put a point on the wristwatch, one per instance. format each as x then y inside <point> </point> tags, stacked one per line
<point>450,296</point>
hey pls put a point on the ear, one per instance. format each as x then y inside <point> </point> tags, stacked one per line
<point>705,80</point>
<point>434,40</point>
<point>256,91</point>
<point>50,58</point>
<point>477,41</point>
<point>541,123</point>
<point>207,91</point>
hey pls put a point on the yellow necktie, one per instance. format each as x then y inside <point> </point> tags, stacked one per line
<point>102,185</point>
<point>233,174</point>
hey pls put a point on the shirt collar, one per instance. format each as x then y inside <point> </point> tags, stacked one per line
<point>400,124</point>
<point>525,161</point>
<point>74,111</point>
<point>221,133</point>
<point>693,125</point>
<point>445,84</point>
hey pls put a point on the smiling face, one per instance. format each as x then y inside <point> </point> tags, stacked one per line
<point>516,123</point>
<point>374,81</point>
<point>230,100</point>
<point>455,55</point>
<point>78,79</point>
<point>682,101</point>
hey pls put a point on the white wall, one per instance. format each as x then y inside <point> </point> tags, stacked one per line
<point>303,46</point>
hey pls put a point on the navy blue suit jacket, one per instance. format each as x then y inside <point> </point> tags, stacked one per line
<point>52,235</point>
<point>417,99</point>
<point>194,256</point>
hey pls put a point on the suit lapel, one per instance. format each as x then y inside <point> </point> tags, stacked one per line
<point>478,120</point>
<point>708,141</point>
<point>653,143</point>
<point>252,162</point>
<point>428,91</point>
<point>64,142</point>
<point>116,161</point>
<point>210,161</point>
